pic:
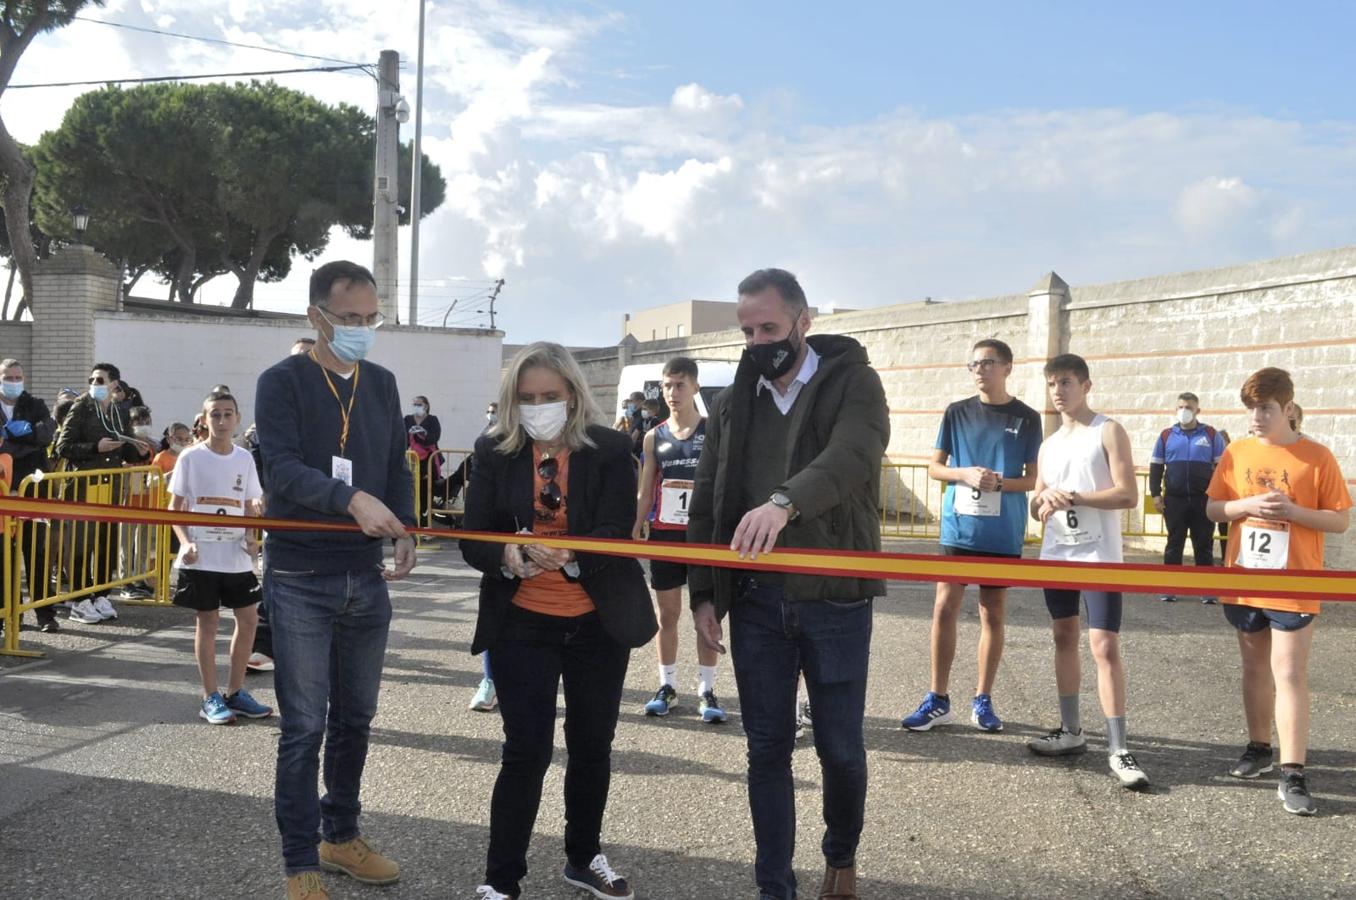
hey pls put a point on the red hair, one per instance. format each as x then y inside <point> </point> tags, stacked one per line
<point>1267,384</point>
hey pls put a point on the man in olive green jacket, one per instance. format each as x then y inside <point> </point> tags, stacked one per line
<point>792,459</point>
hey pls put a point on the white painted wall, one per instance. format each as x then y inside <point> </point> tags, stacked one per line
<point>174,360</point>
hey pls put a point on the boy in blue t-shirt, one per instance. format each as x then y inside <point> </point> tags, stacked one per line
<point>986,454</point>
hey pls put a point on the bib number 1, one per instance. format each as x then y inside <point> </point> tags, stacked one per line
<point>675,495</point>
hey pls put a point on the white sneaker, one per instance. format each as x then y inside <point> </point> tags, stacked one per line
<point>1059,743</point>
<point>1124,767</point>
<point>259,663</point>
<point>104,607</point>
<point>86,613</point>
<point>485,892</point>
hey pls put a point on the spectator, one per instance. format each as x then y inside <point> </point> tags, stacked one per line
<point>138,547</point>
<point>424,430</point>
<point>26,431</point>
<point>96,435</point>
<point>1180,466</point>
<point>301,345</point>
<point>445,493</point>
<point>176,439</point>
<point>1297,420</point>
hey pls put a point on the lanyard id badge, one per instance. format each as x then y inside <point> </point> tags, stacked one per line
<point>970,501</point>
<point>1263,544</point>
<point>342,469</point>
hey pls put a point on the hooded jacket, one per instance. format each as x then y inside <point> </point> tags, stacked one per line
<point>839,428</point>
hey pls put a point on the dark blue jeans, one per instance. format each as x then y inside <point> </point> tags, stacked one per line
<point>531,656</point>
<point>771,641</point>
<point>329,639</point>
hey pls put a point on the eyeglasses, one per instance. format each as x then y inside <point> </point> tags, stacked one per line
<point>353,320</point>
<point>97,380</point>
<point>551,496</point>
<point>976,365</point>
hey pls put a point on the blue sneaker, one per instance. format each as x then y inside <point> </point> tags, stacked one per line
<point>241,703</point>
<point>664,699</point>
<point>934,710</point>
<point>215,711</point>
<point>710,709</point>
<point>982,714</point>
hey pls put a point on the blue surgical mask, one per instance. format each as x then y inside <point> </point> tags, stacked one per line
<point>351,343</point>
<point>99,392</point>
<point>13,389</point>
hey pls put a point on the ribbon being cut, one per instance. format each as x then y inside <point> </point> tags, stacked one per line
<point>1125,577</point>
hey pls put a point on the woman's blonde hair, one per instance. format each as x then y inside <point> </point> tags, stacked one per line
<point>583,411</point>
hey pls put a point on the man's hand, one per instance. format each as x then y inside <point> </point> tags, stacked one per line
<point>547,559</point>
<point>636,532</point>
<point>190,553</point>
<point>374,518</point>
<point>251,544</point>
<point>980,478</point>
<point>708,627</point>
<point>758,530</point>
<point>404,560</point>
<point>108,445</point>
<point>1158,504</point>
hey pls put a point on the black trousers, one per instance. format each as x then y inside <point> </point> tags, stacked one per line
<point>1186,515</point>
<point>531,656</point>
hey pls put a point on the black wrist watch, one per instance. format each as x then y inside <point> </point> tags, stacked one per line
<point>781,500</point>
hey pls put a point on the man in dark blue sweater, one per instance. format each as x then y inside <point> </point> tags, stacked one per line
<point>333,444</point>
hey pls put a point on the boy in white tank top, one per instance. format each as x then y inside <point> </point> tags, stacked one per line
<point>1085,475</point>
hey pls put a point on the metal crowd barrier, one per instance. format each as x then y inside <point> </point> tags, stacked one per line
<point>911,504</point>
<point>439,486</point>
<point>53,561</point>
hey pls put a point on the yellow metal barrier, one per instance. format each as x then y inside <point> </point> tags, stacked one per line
<point>70,560</point>
<point>911,507</point>
<point>438,481</point>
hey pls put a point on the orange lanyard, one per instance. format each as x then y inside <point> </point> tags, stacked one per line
<point>343,413</point>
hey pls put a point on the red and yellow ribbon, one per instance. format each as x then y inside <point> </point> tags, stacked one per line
<point>1294,584</point>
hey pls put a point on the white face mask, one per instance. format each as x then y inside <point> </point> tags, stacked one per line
<point>417,409</point>
<point>143,430</point>
<point>544,421</point>
<point>1185,416</point>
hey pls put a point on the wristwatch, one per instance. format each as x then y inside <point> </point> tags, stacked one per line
<point>783,501</point>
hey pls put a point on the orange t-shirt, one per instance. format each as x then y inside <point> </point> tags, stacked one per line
<point>165,460</point>
<point>1308,474</point>
<point>551,593</point>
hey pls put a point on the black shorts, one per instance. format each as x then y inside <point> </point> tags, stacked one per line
<point>665,575</point>
<point>967,551</point>
<point>1252,619</point>
<point>1104,608</point>
<point>208,591</point>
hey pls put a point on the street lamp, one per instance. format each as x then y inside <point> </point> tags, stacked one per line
<point>80,217</point>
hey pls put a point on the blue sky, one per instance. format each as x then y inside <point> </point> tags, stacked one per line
<point>604,158</point>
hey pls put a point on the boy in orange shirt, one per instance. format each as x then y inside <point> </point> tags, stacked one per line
<point>1284,491</point>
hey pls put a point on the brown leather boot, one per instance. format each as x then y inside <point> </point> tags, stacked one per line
<point>839,884</point>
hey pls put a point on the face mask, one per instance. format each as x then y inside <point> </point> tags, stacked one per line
<point>143,431</point>
<point>99,392</point>
<point>646,414</point>
<point>13,389</point>
<point>417,410</point>
<point>1185,416</point>
<point>630,409</point>
<point>491,418</point>
<point>351,343</point>
<point>544,421</point>
<point>177,447</point>
<point>775,359</point>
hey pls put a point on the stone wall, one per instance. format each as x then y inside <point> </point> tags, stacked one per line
<point>16,342</point>
<point>1145,340</point>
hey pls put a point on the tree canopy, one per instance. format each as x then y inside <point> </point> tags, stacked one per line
<point>194,181</point>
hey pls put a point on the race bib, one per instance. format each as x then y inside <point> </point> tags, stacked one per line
<point>342,469</point>
<point>974,502</point>
<point>1076,526</point>
<point>675,494</point>
<point>217,534</point>
<point>1263,544</point>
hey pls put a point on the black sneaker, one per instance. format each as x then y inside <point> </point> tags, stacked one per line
<point>599,880</point>
<point>1210,601</point>
<point>1256,760</point>
<point>49,625</point>
<point>1168,598</point>
<point>1293,790</point>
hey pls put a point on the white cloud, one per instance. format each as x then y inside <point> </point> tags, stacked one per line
<point>1207,206</point>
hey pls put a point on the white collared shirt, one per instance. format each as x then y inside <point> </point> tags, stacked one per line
<point>785,401</point>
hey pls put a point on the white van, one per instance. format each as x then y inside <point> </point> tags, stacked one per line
<point>713,374</point>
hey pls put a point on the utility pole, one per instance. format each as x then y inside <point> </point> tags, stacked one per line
<point>498,286</point>
<point>416,173</point>
<point>385,189</point>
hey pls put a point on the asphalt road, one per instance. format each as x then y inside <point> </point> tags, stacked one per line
<point>111,786</point>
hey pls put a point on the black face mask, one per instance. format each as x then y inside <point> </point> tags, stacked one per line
<point>775,359</point>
